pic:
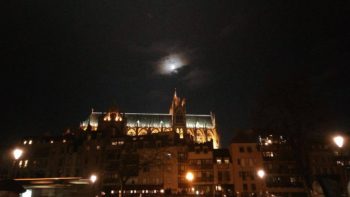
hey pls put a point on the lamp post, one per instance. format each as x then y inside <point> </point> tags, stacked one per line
<point>339,141</point>
<point>261,174</point>
<point>16,153</point>
<point>93,178</point>
<point>189,177</point>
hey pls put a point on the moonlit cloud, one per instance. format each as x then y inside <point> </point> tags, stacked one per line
<point>171,64</point>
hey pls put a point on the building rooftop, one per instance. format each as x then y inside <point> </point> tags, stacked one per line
<point>155,120</point>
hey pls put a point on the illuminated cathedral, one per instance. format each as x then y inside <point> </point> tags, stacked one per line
<point>199,128</point>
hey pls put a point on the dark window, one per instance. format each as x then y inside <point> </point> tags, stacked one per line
<point>253,187</point>
<point>146,169</point>
<point>249,149</point>
<point>220,176</point>
<point>227,176</point>
<point>243,174</point>
<point>245,187</point>
<point>241,149</point>
<point>239,162</point>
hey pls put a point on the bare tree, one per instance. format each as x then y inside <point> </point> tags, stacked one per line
<point>290,107</point>
<point>126,162</point>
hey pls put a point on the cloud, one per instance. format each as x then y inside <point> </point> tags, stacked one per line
<point>196,77</point>
<point>165,57</point>
<point>171,64</point>
<point>174,61</point>
<point>161,48</point>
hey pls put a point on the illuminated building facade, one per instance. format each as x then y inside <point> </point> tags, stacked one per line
<point>152,154</point>
<point>198,128</point>
<point>139,153</point>
<point>246,162</point>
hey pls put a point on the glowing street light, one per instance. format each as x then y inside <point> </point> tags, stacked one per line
<point>189,176</point>
<point>93,178</point>
<point>339,141</point>
<point>261,173</point>
<point>17,153</point>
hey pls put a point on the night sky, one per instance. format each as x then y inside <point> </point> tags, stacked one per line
<point>62,58</point>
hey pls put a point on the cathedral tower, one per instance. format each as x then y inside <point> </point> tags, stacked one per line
<point>178,115</point>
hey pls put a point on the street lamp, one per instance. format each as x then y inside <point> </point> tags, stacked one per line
<point>93,178</point>
<point>261,174</point>
<point>339,141</point>
<point>16,153</point>
<point>189,177</point>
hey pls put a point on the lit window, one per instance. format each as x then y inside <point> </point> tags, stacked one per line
<point>20,163</point>
<point>30,142</point>
<point>293,179</point>
<point>180,132</point>
<point>268,154</point>
<point>218,161</point>
<point>64,141</point>
<point>51,141</point>
<point>25,163</point>
<point>98,147</point>
<point>341,163</point>
<point>227,160</point>
<point>25,142</point>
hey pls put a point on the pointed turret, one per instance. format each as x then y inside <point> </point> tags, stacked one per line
<point>178,115</point>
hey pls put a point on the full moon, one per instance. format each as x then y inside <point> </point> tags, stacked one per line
<point>171,64</point>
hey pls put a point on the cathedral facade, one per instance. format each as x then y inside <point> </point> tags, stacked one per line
<point>199,128</point>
